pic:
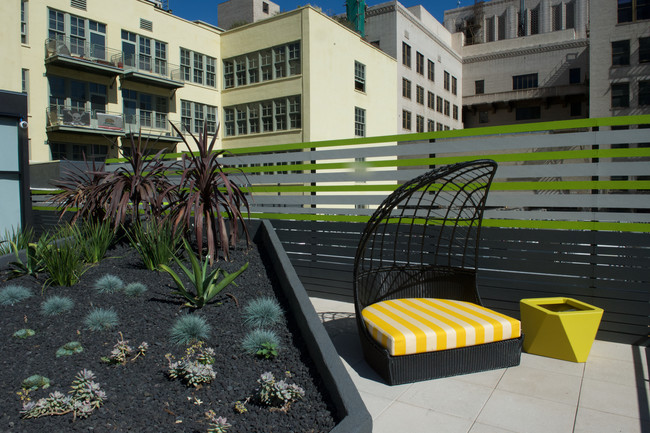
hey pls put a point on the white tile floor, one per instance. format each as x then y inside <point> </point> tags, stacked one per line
<point>609,393</point>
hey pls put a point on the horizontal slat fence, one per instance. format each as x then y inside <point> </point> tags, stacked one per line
<point>568,213</point>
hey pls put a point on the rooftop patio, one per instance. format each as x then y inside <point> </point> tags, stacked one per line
<point>609,393</point>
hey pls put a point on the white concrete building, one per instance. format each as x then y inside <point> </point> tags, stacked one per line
<point>429,71</point>
<point>619,82</point>
<point>523,67</point>
<point>236,12</point>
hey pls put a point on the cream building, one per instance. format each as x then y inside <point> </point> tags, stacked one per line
<point>96,76</point>
<point>523,67</point>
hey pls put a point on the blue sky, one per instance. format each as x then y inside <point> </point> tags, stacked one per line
<point>206,10</point>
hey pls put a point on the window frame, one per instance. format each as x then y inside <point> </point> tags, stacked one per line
<point>359,122</point>
<point>406,55</point>
<point>620,95</point>
<point>359,76</point>
<point>621,52</point>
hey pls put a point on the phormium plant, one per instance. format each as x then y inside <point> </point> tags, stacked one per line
<point>209,195</point>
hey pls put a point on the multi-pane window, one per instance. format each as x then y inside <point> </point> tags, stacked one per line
<point>431,100</point>
<point>78,96</point>
<point>359,76</point>
<point>633,10</point>
<point>24,80</point>
<point>406,88</point>
<point>556,17</point>
<point>160,58</point>
<point>439,104</point>
<point>194,115</point>
<point>489,29</point>
<point>144,53</point>
<point>431,70</point>
<point>23,21</point>
<point>431,125</point>
<point>527,81</point>
<point>268,64</point>
<point>359,122</point>
<point>406,54</point>
<point>264,116</point>
<point>621,53</point>
<point>455,112</point>
<point>419,95</point>
<point>534,21</point>
<point>644,50</point>
<point>447,108</point>
<point>620,95</point>
<point>446,80</point>
<point>644,93</point>
<point>406,120</point>
<point>454,86</point>
<point>79,34</point>
<point>198,68</point>
<point>479,87</point>
<point>419,63</point>
<point>56,25</point>
<point>439,126</point>
<point>144,110</point>
<point>419,124</point>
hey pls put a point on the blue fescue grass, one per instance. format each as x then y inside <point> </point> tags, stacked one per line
<point>262,313</point>
<point>135,289</point>
<point>255,340</point>
<point>189,329</point>
<point>55,305</point>
<point>13,294</point>
<point>101,319</point>
<point>109,284</point>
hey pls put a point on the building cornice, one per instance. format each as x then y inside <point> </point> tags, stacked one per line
<point>582,43</point>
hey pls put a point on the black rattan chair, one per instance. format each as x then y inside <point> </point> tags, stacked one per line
<point>422,242</point>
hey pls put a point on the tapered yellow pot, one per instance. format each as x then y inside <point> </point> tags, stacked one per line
<point>562,328</point>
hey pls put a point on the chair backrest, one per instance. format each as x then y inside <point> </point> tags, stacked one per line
<point>422,241</point>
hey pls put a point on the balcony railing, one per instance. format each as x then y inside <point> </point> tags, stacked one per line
<point>150,124</point>
<point>104,122</point>
<point>147,69</point>
<point>534,93</point>
<point>82,53</point>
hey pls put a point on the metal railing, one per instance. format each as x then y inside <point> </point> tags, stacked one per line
<point>58,116</point>
<point>83,50</point>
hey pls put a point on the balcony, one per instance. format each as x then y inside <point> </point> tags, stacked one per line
<point>151,71</point>
<point>151,126</point>
<point>81,55</point>
<point>525,94</point>
<point>65,119</point>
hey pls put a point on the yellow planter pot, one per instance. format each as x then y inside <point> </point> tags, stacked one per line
<point>561,328</point>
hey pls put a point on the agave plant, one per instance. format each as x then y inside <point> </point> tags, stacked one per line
<point>79,190</point>
<point>208,193</point>
<point>141,184</point>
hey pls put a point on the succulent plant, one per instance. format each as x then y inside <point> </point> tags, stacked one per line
<point>69,349</point>
<point>34,382</point>
<point>279,394</point>
<point>24,333</point>
<point>218,424</point>
<point>122,351</point>
<point>195,367</point>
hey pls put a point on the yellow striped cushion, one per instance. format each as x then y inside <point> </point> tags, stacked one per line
<point>416,325</point>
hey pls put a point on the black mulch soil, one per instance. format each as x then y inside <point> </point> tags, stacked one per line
<point>140,396</point>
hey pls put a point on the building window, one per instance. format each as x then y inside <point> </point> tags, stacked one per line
<point>644,93</point>
<point>439,104</point>
<point>489,29</point>
<point>621,53</point>
<point>419,63</point>
<point>633,10</point>
<point>359,76</point>
<point>570,14</point>
<point>528,113</point>
<point>502,26</point>
<point>419,95</point>
<point>431,125</point>
<point>142,110</point>
<point>483,117</point>
<point>576,109</point>
<point>56,28</point>
<point>556,17</point>
<point>23,21</point>
<point>265,7</point>
<point>431,100</point>
<point>446,81</point>
<point>534,21</point>
<point>419,124</point>
<point>406,54</point>
<point>359,122</point>
<point>439,126</point>
<point>455,112</point>
<point>406,120</point>
<point>406,88</point>
<point>527,81</point>
<point>186,64</point>
<point>447,108</point>
<point>79,99</point>
<point>644,50</point>
<point>431,70</point>
<point>198,68</point>
<point>454,86</point>
<point>479,86</point>
<point>246,119</point>
<point>574,76</point>
<point>24,75</point>
<point>268,64</point>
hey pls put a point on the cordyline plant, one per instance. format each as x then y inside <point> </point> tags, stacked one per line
<point>79,190</point>
<point>141,183</point>
<point>208,194</point>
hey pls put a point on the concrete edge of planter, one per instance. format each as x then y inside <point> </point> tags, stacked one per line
<point>352,412</point>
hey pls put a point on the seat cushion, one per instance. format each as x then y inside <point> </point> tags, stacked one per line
<point>416,325</point>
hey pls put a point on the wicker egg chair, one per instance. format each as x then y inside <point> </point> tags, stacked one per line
<point>422,242</point>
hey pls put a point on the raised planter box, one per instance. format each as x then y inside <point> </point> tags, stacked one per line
<point>562,328</point>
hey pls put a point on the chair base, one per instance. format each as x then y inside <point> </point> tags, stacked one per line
<point>396,370</point>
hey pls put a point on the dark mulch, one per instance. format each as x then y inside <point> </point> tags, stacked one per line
<point>140,396</point>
